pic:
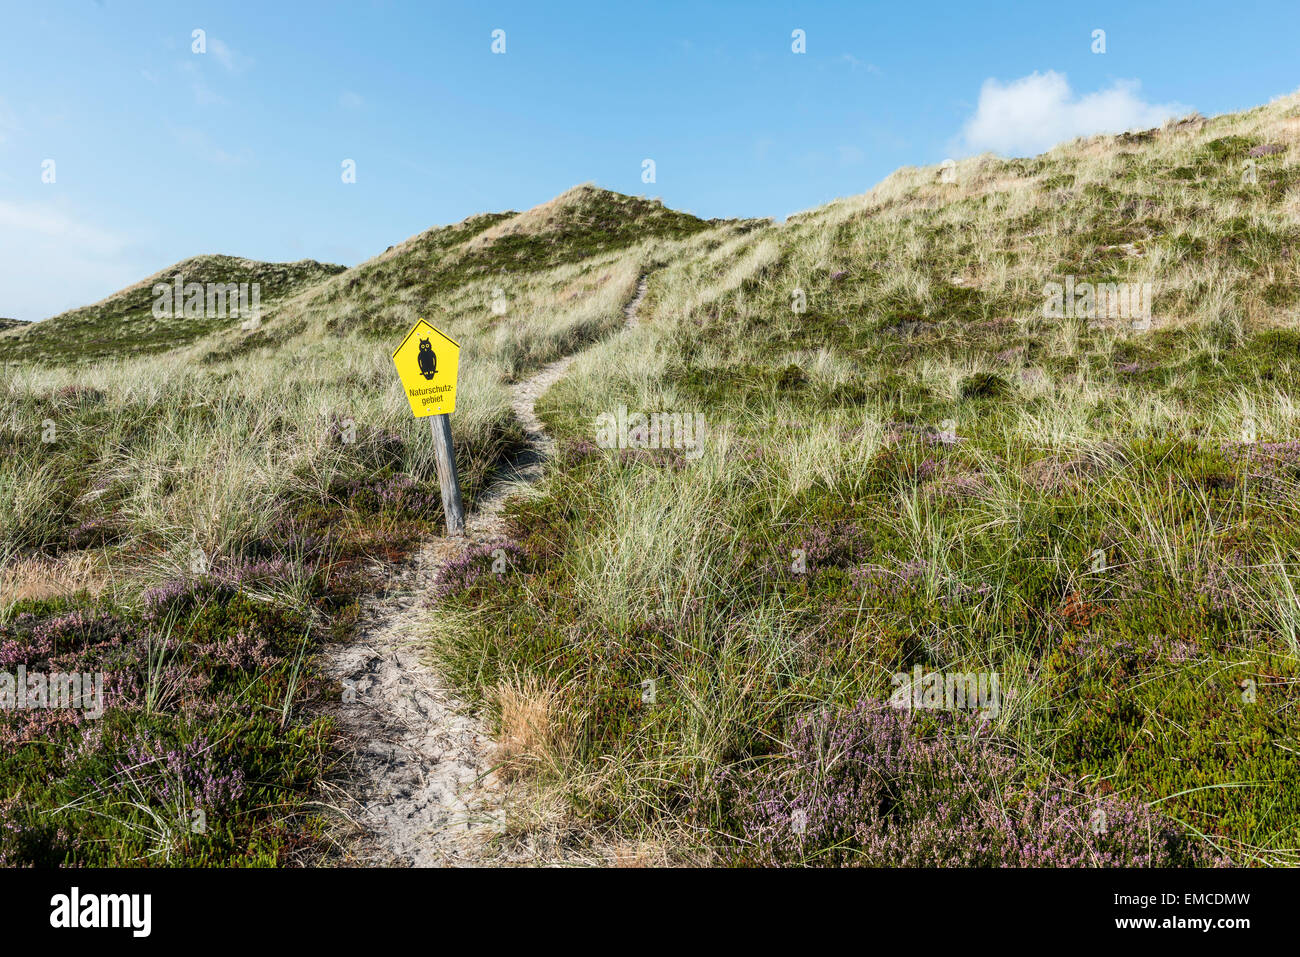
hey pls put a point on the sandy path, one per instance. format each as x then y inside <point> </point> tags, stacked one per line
<point>422,790</point>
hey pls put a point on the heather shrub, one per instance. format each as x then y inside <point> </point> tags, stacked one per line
<point>464,571</point>
<point>836,544</point>
<point>877,786</point>
<point>186,775</point>
<point>71,642</point>
<point>193,718</point>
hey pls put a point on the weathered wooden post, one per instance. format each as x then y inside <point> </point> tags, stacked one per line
<point>445,455</point>
<point>427,362</point>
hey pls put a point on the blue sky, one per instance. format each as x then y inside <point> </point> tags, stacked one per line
<point>162,153</point>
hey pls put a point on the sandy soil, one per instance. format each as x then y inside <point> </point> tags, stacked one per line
<point>420,787</point>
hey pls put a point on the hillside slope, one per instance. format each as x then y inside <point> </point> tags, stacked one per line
<point>922,469</point>
<point>426,274</point>
<point>902,460</point>
<point>124,323</point>
<point>233,500</point>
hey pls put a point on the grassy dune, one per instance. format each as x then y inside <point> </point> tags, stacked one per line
<point>905,465</point>
<point>194,523</point>
<point>919,469</point>
<point>124,323</point>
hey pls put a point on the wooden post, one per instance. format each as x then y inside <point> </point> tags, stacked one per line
<point>445,456</point>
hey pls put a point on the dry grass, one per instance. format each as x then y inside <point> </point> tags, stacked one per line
<point>37,577</point>
<point>531,737</point>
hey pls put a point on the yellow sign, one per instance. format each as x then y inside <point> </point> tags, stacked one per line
<point>426,363</point>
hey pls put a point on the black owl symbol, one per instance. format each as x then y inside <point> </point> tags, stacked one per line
<point>427,360</point>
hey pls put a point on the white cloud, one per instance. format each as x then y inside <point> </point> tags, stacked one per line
<point>233,61</point>
<point>351,101</point>
<point>52,260</point>
<point>204,95</point>
<point>1035,112</point>
<point>48,221</point>
<point>856,64</point>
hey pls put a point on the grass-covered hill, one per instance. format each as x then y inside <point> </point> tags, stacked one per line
<point>907,464</point>
<point>195,522</point>
<point>490,257</point>
<point>531,285</point>
<point>11,324</point>
<point>124,323</point>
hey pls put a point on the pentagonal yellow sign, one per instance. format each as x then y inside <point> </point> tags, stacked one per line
<point>426,363</point>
